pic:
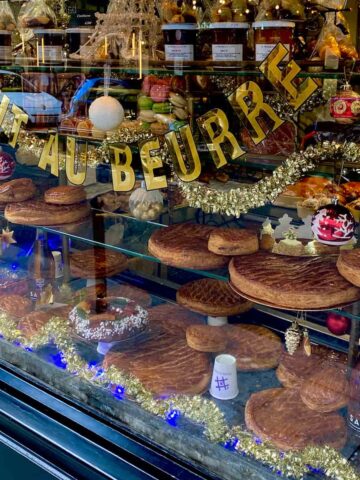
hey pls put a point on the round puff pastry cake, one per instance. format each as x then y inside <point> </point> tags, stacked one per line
<point>17,190</point>
<point>255,347</point>
<point>97,263</point>
<point>211,297</point>
<point>33,322</point>
<point>15,305</point>
<point>173,319</point>
<point>37,212</point>
<point>65,195</point>
<point>348,265</point>
<point>291,282</point>
<point>165,365</point>
<point>279,416</point>
<point>233,241</point>
<point>185,246</point>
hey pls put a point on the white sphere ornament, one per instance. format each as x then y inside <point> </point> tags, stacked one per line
<point>106,113</point>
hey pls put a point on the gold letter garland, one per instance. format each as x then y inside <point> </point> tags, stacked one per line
<point>192,172</point>
<point>282,79</point>
<point>123,175</point>
<point>237,201</point>
<point>214,126</point>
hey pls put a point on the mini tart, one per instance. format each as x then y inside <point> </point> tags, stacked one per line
<point>17,190</point>
<point>37,212</point>
<point>233,241</point>
<point>120,319</point>
<point>211,297</point>
<point>65,195</point>
<point>206,338</point>
<point>348,265</point>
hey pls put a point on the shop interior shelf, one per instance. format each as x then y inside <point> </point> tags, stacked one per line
<point>244,69</point>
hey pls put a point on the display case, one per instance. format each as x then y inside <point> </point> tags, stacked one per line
<point>179,260</point>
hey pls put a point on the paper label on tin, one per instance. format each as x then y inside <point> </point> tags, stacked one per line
<point>52,53</point>
<point>227,53</point>
<point>5,53</point>
<point>179,52</point>
<point>262,50</point>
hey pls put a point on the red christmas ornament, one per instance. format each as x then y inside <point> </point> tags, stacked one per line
<point>345,106</point>
<point>7,165</point>
<point>333,225</point>
<point>338,324</point>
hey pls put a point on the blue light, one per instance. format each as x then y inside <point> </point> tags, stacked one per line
<point>119,392</point>
<point>100,372</point>
<point>1,335</point>
<point>279,472</point>
<point>231,444</point>
<point>92,364</point>
<point>28,349</point>
<point>15,266</point>
<point>58,360</point>
<point>17,344</point>
<point>172,417</point>
<point>257,440</point>
<point>318,471</point>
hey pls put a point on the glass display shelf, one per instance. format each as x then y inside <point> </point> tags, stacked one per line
<point>246,69</point>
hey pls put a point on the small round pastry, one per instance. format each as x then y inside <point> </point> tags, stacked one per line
<point>7,165</point>
<point>111,319</point>
<point>158,128</point>
<point>180,113</point>
<point>97,134</point>
<point>233,241</point>
<point>147,116</point>
<point>177,100</point>
<point>159,93</point>
<point>106,113</point>
<point>37,212</point>
<point>15,305</point>
<point>348,265</point>
<point>84,127</point>
<point>162,107</point>
<point>205,338</point>
<point>145,102</point>
<point>211,297</point>
<point>65,195</point>
<point>17,190</point>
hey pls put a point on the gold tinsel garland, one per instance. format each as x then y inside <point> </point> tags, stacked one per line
<point>197,409</point>
<point>237,201</point>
